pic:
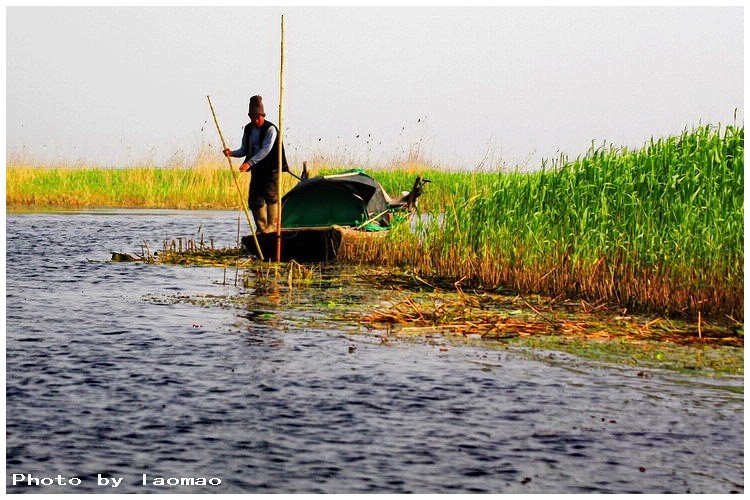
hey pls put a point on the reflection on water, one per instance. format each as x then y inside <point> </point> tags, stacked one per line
<point>109,377</point>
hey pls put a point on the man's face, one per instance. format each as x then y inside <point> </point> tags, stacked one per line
<point>257,120</point>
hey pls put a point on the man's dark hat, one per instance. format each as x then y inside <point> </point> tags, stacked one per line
<point>256,106</point>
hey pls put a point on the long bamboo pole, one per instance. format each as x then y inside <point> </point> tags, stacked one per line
<point>281,143</point>
<point>236,182</point>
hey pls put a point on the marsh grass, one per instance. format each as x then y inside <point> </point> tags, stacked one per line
<point>206,184</point>
<point>203,182</point>
<point>654,229</point>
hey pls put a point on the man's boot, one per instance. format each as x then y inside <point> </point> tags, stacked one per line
<point>259,214</point>
<point>273,217</point>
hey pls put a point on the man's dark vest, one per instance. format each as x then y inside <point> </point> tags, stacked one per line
<point>271,162</point>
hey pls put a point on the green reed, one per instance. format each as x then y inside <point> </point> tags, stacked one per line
<point>200,187</point>
<point>658,228</point>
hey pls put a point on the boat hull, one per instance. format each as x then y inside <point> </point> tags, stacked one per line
<point>308,244</point>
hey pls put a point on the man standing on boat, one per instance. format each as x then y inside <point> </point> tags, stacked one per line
<point>260,147</point>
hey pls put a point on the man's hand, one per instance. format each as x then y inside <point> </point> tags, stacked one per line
<point>227,152</point>
<point>244,167</point>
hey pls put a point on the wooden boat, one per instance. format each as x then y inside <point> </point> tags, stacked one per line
<point>309,244</point>
<point>322,214</point>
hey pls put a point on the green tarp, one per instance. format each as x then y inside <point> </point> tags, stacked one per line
<point>347,199</point>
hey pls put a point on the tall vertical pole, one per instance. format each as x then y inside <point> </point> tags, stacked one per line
<point>281,142</point>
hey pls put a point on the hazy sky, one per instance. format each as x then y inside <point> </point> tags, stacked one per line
<point>117,86</point>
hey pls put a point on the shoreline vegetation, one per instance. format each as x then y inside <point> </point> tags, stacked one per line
<point>657,229</point>
<point>400,306</point>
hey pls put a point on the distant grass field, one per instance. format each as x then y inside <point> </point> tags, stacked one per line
<point>659,228</point>
<point>200,187</point>
<point>207,184</point>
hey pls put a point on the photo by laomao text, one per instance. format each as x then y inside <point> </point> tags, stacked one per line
<point>30,480</point>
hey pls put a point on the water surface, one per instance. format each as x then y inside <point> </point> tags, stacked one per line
<point>113,371</point>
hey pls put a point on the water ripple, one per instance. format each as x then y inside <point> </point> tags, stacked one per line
<point>106,376</point>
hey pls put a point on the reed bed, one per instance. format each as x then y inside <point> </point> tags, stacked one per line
<point>206,185</point>
<point>656,229</point>
<point>203,183</point>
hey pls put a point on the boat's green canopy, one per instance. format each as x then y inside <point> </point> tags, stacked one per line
<point>347,199</point>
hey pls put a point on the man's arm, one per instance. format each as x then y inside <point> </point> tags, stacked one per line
<point>238,153</point>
